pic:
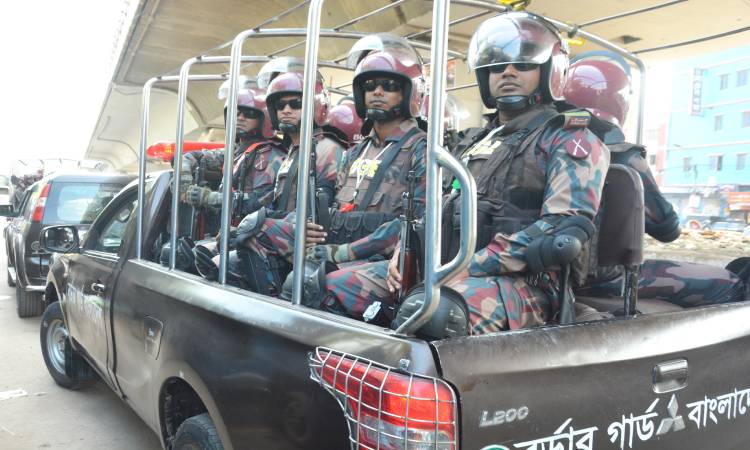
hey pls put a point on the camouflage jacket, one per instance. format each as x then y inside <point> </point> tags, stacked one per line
<point>561,169</point>
<point>256,163</point>
<point>329,154</point>
<point>361,164</point>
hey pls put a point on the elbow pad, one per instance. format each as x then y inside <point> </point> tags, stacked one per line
<point>559,245</point>
<point>665,231</point>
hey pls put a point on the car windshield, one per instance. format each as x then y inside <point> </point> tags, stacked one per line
<point>78,202</point>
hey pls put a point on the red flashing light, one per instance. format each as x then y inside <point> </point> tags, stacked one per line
<point>40,203</point>
<point>165,150</point>
<point>388,409</point>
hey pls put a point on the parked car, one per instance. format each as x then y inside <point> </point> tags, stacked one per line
<point>60,199</point>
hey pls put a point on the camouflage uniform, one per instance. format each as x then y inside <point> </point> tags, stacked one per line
<point>259,159</point>
<point>275,240</point>
<point>543,172</point>
<point>681,283</point>
<point>328,151</point>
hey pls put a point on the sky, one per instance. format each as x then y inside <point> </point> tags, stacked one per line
<point>57,60</point>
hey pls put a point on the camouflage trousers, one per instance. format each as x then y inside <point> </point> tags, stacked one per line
<point>680,283</point>
<point>495,303</point>
<point>274,243</point>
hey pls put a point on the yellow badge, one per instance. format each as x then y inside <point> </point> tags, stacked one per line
<point>285,166</point>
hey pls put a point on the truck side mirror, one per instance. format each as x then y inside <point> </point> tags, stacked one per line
<point>60,239</point>
<point>8,211</point>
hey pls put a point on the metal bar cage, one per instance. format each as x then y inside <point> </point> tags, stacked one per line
<point>365,390</point>
<point>436,155</point>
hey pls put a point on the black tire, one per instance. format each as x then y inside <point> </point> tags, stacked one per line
<point>59,357</point>
<point>197,433</point>
<point>29,304</point>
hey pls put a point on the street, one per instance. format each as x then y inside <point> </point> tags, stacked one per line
<point>36,413</point>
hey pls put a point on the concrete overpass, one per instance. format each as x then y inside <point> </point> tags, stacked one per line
<point>165,33</point>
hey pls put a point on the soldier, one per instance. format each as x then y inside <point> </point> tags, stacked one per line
<point>257,262</point>
<point>539,173</point>
<point>603,87</point>
<point>388,87</point>
<point>258,157</point>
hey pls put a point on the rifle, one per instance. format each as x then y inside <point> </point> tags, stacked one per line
<point>239,194</point>
<point>312,214</point>
<point>198,219</point>
<point>408,255</point>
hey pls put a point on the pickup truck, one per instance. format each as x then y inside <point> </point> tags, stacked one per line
<point>211,366</point>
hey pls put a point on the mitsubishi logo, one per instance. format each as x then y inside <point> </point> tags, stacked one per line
<point>674,422</point>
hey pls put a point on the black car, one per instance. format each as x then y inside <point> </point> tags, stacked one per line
<point>72,199</point>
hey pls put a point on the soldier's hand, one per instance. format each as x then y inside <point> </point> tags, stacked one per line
<point>393,280</point>
<point>202,196</point>
<point>315,234</point>
<point>186,179</point>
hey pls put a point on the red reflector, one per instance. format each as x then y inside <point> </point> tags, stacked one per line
<point>388,409</point>
<point>40,203</point>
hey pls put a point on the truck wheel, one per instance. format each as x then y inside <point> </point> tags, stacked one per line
<point>59,357</point>
<point>197,433</point>
<point>29,304</point>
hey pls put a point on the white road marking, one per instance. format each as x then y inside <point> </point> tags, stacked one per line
<point>7,395</point>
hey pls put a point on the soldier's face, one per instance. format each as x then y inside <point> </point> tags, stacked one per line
<point>246,124</point>
<point>512,81</point>
<point>288,114</point>
<point>379,97</point>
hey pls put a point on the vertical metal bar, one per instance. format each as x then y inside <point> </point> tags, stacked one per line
<point>177,159</point>
<point>231,123</point>
<point>145,110</point>
<point>438,60</point>
<point>641,101</point>
<point>311,68</point>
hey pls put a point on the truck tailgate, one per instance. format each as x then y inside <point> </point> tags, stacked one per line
<point>662,381</point>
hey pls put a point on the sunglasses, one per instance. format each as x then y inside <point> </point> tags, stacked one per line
<point>521,67</point>
<point>295,103</point>
<point>249,113</point>
<point>388,85</point>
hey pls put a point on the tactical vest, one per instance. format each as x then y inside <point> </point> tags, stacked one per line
<point>360,210</point>
<point>510,182</point>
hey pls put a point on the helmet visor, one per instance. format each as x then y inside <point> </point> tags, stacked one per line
<point>246,82</point>
<point>511,38</point>
<point>278,66</point>
<point>380,42</point>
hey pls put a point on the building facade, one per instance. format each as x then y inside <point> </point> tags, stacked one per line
<point>707,161</point>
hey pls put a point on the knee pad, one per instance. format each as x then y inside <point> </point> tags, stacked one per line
<point>250,225</point>
<point>450,320</point>
<point>560,245</point>
<point>313,283</point>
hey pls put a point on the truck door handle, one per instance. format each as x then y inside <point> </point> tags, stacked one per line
<point>98,288</point>
<point>670,376</point>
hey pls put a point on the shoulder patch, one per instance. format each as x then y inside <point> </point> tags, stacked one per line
<point>578,148</point>
<point>576,119</point>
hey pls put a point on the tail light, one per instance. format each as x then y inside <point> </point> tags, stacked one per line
<point>40,203</point>
<point>387,409</point>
